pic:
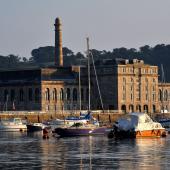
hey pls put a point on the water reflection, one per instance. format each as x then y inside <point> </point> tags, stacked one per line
<point>30,151</point>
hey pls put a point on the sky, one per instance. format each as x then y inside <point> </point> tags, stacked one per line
<point>29,24</point>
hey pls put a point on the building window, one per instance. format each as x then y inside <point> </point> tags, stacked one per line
<point>165,95</point>
<point>131,96</point>
<point>37,94</point>
<point>82,94</point>
<point>30,94</point>
<point>21,95</point>
<point>160,95</point>
<point>61,94</point>
<point>68,94</point>
<point>74,94</point>
<point>55,94</point>
<point>6,95</point>
<point>47,94</point>
<point>12,95</point>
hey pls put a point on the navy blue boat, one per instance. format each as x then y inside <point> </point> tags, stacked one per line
<point>81,131</point>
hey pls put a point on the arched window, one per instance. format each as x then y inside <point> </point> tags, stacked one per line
<point>131,109</point>
<point>68,94</point>
<point>154,108</point>
<point>74,94</point>
<point>5,95</point>
<point>145,108</point>
<point>166,95</point>
<point>61,94</point>
<point>82,94</point>
<point>37,94</point>
<point>123,108</point>
<point>30,94</point>
<point>47,94</point>
<point>55,94</point>
<point>138,108</point>
<point>12,95</point>
<point>160,95</point>
<point>21,95</point>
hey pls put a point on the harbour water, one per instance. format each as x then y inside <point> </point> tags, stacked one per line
<point>30,151</point>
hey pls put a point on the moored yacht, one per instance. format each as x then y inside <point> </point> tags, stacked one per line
<point>135,125</point>
<point>80,129</point>
<point>13,124</point>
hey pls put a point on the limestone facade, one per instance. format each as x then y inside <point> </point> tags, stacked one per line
<point>129,85</point>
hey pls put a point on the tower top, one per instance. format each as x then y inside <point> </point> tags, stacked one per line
<point>57,21</point>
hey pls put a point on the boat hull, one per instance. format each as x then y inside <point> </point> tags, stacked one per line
<point>13,128</point>
<point>138,134</point>
<point>70,132</point>
<point>32,128</point>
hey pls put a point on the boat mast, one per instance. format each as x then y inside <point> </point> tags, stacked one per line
<point>88,57</point>
<point>80,88</point>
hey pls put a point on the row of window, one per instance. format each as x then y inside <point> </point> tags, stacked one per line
<point>66,94</point>
<point>12,95</point>
<point>138,70</point>
<point>138,108</point>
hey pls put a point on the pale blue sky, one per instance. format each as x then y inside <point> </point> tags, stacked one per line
<point>28,24</point>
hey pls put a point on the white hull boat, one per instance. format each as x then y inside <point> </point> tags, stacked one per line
<point>12,125</point>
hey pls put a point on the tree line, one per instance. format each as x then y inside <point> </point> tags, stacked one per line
<point>157,55</point>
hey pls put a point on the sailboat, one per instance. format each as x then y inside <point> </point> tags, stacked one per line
<point>84,129</point>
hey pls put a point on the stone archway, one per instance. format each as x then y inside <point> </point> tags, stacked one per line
<point>131,108</point>
<point>123,108</point>
<point>138,108</point>
<point>145,108</point>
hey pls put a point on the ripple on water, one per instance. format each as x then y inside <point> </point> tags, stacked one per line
<point>30,151</point>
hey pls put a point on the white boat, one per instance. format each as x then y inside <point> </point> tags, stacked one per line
<point>13,124</point>
<point>136,125</point>
<point>71,120</point>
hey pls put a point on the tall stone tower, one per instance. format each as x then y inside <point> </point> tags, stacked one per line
<point>58,43</point>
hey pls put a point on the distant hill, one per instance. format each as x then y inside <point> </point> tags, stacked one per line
<point>157,55</point>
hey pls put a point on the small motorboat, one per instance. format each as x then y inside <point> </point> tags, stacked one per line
<point>13,124</point>
<point>136,125</point>
<point>36,127</point>
<point>80,129</point>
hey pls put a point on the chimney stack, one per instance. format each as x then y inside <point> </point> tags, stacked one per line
<point>58,43</point>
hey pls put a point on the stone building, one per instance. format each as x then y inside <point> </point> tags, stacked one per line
<point>128,85</point>
<point>43,89</point>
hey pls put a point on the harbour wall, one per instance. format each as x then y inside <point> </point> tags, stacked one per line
<point>41,117</point>
<point>106,118</point>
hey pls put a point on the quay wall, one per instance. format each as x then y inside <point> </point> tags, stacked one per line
<point>106,118</point>
<point>40,117</point>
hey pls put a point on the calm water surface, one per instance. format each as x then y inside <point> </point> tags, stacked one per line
<point>30,151</point>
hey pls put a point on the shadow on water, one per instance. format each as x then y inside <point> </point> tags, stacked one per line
<point>30,151</point>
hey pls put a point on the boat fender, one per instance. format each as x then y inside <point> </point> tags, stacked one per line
<point>164,134</point>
